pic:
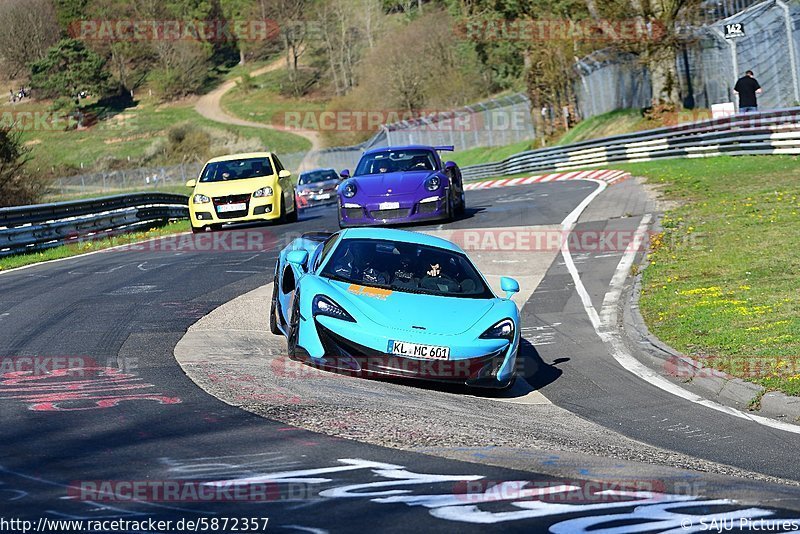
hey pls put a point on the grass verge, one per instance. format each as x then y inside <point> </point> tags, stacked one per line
<point>75,249</point>
<point>723,281</point>
<point>612,123</point>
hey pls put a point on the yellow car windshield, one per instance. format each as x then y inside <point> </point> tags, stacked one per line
<point>237,169</point>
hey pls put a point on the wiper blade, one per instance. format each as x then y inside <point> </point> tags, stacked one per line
<point>338,278</point>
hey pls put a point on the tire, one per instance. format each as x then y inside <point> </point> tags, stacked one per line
<point>200,230</point>
<point>450,207</point>
<point>282,216</point>
<point>215,227</point>
<point>462,205</point>
<point>294,326</point>
<point>273,310</point>
<point>292,217</point>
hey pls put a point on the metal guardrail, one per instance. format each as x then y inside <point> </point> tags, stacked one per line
<point>41,226</point>
<point>774,132</point>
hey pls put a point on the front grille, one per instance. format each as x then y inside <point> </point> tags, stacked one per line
<point>232,199</point>
<point>354,213</point>
<point>427,207</point>
<point>398,213</point>
<point>347,355</point>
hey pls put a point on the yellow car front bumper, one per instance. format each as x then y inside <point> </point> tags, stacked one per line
<point>222,210</point>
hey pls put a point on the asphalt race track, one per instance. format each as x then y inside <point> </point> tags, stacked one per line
<point>587,445</point>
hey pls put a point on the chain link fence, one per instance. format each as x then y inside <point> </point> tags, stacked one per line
<point>709,65</point>
<point>768,47</point>
<point>609,80</point>
<point>139,179</point>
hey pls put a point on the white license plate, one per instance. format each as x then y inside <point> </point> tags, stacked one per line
<point>388,205</point>
<point>324,196</point>
<point>402,348</point>
<point>232,207</point>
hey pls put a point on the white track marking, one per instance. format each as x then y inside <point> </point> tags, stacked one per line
<point>85,254</point>
<point>608,311</point>
<point>566,226</point>
<point>605,327</point>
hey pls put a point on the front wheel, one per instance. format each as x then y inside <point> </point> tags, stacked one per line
<point>462,204</point>
<point>294,326</point>
<point>450,207</point>
<point>198,230</point>
<point>273,309</point>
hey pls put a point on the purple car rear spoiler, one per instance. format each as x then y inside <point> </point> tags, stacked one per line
<point>448,148</point>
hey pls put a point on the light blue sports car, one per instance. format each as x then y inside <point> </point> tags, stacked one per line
<point>377,301</point>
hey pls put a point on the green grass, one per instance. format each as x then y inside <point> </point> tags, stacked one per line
<point>131,133</point>
<point>489,154</point>
<point>66,251</point>
<point>611,123</point>
<point>265,103</point>
<point>723,281</point>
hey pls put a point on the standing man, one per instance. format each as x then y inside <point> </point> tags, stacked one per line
<point>747,88</point>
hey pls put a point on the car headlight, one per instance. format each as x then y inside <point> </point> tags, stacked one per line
<point>349,190</point>
<point>201,199</point>
<point>502,330</point>
<point>433,183</point>
<point>322,305</point>
<point>263,192</point>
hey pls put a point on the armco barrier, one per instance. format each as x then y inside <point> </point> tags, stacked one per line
<point>28,228</point>
<point>774,132</point>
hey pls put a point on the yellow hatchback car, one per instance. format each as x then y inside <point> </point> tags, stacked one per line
<point>242,188</point>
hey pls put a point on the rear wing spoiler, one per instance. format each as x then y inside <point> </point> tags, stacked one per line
<point>445,148</point>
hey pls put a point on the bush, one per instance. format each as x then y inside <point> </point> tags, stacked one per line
<point>17,187</point>
<point>185,142</point>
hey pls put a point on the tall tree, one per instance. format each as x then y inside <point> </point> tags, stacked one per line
<point>128,59</point>
<point>290,15</point>
<point>68,68</point>
<point>69,11</point>
<point>27,29</point>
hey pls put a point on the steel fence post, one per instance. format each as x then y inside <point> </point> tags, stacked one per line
<point>787,17</point>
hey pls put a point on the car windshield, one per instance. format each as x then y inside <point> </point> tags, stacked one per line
<point>237,169</point>
<point>417,159</point>
<point>405,267</point>
<point>313,177</point>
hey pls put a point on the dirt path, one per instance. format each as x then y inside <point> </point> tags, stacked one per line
<point>210,107</point>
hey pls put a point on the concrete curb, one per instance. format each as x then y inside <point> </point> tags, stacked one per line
<point>691,374</point>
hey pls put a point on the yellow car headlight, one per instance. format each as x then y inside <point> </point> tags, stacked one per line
<point>263,192</point>
<point>201,199</point>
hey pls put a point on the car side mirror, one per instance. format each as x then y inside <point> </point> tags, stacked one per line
<point>191,183</point>
<point>345,174</point>
<point>284,174</point>
<point>298,258</point>
<point>509,285</point>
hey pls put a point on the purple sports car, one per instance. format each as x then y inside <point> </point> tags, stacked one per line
<point>396,185</point>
